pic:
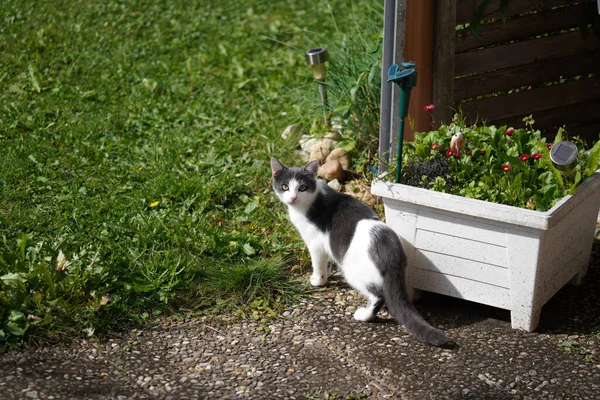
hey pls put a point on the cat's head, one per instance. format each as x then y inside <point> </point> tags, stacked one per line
<point>295,186</point>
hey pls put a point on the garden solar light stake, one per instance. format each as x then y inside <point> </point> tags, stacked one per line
<point>316,58</point>
<point>406,79</point>
<point>564,157</point>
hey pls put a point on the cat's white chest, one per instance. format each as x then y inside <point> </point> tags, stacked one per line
<point>312,236</point>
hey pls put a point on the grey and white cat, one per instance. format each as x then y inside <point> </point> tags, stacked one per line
<point>339,228</point>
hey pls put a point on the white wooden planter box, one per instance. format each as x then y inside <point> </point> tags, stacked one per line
<point>503,256</point>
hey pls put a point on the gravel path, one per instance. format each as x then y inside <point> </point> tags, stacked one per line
<point>316,350</point>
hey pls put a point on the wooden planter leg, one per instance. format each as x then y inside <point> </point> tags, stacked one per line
<point>525,317</point>
<point>523,262</point>
<point>583,258</point>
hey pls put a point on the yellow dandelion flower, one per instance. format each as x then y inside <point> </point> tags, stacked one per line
<point>154,204</point>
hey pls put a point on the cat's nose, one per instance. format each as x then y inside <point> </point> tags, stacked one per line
<point>293,199</point>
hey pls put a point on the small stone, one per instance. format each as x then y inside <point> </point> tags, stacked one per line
<point>335,185</point>
<point>291,130</point>
<point>532,372</point>
<point>331,170</point>
<point>321,150</point>
<point>360,191</point>
<point>340,155</point>
<point>307,143</point>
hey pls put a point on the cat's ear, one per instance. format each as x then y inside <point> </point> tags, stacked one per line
<point>276,167</point>
<point>312,167</point>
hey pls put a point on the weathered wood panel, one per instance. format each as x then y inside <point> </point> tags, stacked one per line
<point>529,50</point>
<point>443,61</point>
<point>589,132</point>
<point>581,63</point>
<point>418,45</point>
<point>466,8</point>
<point>587,112</point>
<point>522,53</point>
<point>535,100</point>
<point>523,27</point>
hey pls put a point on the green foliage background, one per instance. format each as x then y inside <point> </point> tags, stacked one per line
<point>135,139</point>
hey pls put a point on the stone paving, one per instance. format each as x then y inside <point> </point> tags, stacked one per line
<point>315,350</point>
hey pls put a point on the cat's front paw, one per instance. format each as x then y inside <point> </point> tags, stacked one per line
<point>363,314</point>
<point>318,280</point>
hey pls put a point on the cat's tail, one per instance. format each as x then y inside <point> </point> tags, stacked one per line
<point>403,311</point>
<point>387,249</point>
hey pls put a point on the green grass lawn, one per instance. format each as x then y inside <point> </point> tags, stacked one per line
<point>135,138</point>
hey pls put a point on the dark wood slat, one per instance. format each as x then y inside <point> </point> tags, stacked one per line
<point>443,61</point>
<point>584,62</point>
<point>466,8</point>
<point>588,132</point>
<point>580,113</point>
<point>579,119</point>
<point>534,101</point>
<point>525,52</point>
<point>523,27</point>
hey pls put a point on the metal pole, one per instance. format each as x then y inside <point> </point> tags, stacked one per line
<point>324,102</point>
<point>387,90</point>
<point>400,146</point>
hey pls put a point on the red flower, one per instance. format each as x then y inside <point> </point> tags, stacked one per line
<point>434,146</point>
<point>509,132</point>
<point>524,157</point>
<point>457,155</point>
<point>483,152</point>
<point>549,146</point>
<point>536,156</point>
<point>506,168</point>
<point>448,153</point>
<point>429,107</point>
<point>469,152</point>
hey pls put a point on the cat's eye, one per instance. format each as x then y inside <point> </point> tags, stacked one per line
<point>302,188</point>
<point>285,187</point>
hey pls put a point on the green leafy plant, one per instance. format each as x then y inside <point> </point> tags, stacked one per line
<point>576,349</point>
<point>497,164</point>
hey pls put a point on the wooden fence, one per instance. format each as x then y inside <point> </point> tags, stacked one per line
<point>544,60</point>
<point>540,61</point>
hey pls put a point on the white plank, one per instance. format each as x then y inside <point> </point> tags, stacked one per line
<point>463,227</point>
<point>461,247</point>
<point>461,288</point>
<point>463,268</point>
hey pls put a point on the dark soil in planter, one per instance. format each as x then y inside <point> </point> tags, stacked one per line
<point>422,173</point>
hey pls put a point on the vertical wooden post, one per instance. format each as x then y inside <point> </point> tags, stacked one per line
<point>419,48</point>
<point>443,66</point>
